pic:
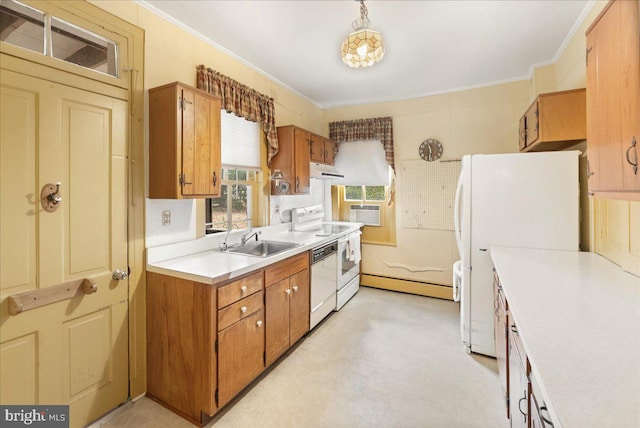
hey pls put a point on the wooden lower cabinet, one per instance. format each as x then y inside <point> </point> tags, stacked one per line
<point>500,334</point>
<point>240,355</point>
<point>287,300</point>
<point>277,314</point>
<point>181,331</point>
<point>518,382</point>
<point>205,343</point>
<point>299,304</point>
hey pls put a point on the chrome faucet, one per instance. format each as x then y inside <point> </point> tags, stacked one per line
<point>244,238</point>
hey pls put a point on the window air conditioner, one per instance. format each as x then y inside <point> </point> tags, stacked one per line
<point>367,214</point>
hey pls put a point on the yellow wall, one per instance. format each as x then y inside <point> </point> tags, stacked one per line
<point>610,228</point>
<point>482,120</point>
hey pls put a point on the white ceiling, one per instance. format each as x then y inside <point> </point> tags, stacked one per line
<point>431,46</point>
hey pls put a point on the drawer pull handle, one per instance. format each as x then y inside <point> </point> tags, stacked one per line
<point>524,414</point>
<point>288,291</point>
<point>243,309</point>
<point>243,289</point>
<point>546,420</point>
<point>295,288</point>
<point>259,323</point>
<point>634,165</point>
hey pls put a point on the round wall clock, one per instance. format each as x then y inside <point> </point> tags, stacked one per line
<point>430,150</point>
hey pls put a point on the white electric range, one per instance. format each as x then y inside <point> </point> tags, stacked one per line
<point>335,266</point>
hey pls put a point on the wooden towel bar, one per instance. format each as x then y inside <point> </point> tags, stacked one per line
<point>33,299</point>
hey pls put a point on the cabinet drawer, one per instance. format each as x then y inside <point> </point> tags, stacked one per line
<point>230,293</point>
<point>286,268</point>
<point>239,310</point>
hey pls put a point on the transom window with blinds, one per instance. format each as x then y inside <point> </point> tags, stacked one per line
<point>238,205</point>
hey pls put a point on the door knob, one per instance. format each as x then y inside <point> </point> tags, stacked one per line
<point>119,275</point>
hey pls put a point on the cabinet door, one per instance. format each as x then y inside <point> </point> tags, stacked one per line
<point>518,386</point>
<point>630,93</point>
<point>240,355</point>
<point>594,110</point>
<point>536,417</point>
<point>522,132</point>
<point>330,149</point>
<point>500,333</point>
<point>532,124</point>
<point>277,319</point>
<point>317,148</point>
<point>301,161</point>
<point>200,144</point>
<point>299,306</point>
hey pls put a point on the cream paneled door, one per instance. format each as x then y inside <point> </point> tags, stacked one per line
<point>75,351</point>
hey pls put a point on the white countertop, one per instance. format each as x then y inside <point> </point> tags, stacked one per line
<point>578,315</point>
<point>201,261</point>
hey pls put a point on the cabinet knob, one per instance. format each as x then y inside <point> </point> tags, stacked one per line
<point>243,289</point>
<point>259,323</point>
<point>295,288</point>
<point>288,291</point>
<point>243,309</point>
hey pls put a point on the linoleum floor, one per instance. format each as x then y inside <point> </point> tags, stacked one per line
<point>386,359</point>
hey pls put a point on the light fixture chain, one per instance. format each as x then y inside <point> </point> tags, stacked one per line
<point>364,13</point>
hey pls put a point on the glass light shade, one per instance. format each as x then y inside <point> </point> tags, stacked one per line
<point>362,48</point>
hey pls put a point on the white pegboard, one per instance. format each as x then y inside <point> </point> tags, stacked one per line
<point>428,193</point>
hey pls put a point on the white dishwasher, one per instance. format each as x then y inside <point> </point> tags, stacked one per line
<point>324,264</point>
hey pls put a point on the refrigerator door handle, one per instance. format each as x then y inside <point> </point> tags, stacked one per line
<point>456,216</point>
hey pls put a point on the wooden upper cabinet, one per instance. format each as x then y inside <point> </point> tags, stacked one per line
<point>293,159</point>
<point>317,150</point>
<point>322,150</point>
<point>554,121</point>
<point>184,142</point>
<point>330,151</point>
<point>613,102</point>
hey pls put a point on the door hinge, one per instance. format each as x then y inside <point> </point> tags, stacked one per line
<point>181,103</point>
<point>216,346</point>
<point>215,395</point>
<point>182,179</point>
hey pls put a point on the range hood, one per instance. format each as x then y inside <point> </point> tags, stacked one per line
<point>318,170</point>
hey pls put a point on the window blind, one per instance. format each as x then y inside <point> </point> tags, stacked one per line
<point>240,141</point>
<point>363,163</point>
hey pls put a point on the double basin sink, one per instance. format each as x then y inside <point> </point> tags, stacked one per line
<point>261,248</point>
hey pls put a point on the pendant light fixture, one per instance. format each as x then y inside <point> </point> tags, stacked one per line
<point>363,47</point>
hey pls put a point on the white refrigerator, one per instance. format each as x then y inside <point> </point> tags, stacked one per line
<point>528,200</point>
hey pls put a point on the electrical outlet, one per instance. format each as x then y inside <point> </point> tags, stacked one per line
<point>166,218</point>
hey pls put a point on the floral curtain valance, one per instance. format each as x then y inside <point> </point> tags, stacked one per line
<point>378,128</point>
<point>242,101</point>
